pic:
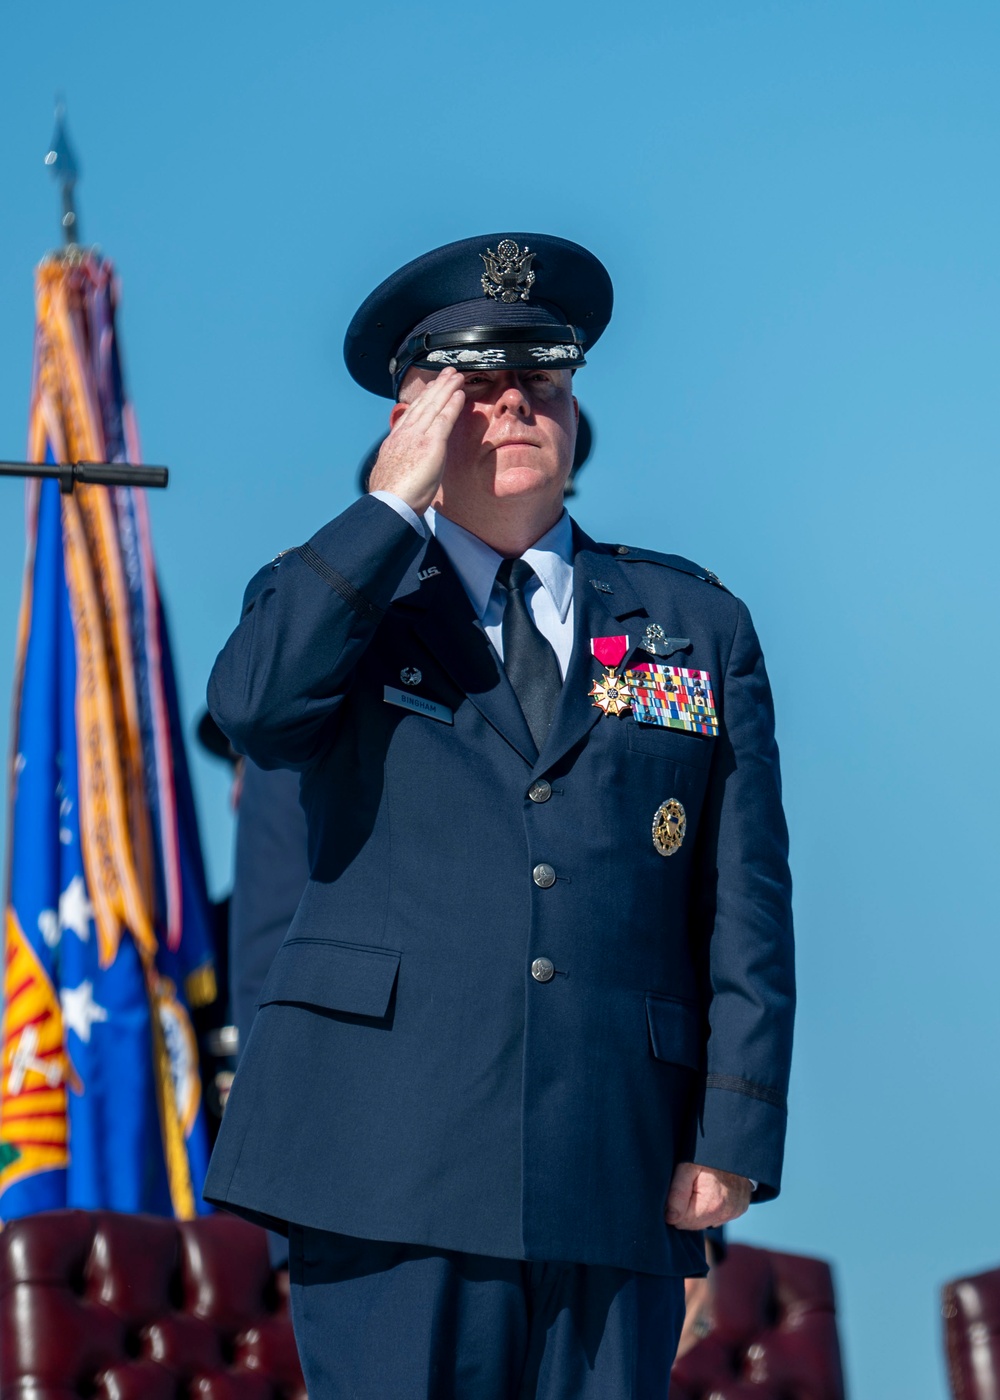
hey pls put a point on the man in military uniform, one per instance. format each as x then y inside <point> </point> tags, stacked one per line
<point>272,868</point>
<point>530,1029</point>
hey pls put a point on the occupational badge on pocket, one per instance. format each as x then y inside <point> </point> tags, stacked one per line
<point>673,697</point>
<point>669,826</point>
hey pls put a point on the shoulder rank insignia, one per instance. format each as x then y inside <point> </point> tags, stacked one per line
<point>672,561</point>
<point>508,276</point>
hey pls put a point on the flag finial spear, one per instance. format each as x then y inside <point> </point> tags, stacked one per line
<point>61,160</point>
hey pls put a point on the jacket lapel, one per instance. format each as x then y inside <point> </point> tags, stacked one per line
<point>599,611</point>
<point>438,609</point>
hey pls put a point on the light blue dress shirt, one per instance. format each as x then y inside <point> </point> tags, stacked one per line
<point>549,596</point>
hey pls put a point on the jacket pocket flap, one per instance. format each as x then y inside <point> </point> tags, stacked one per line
<point>675,1031</point>
<point>334,976</point>
<point>693,750</point>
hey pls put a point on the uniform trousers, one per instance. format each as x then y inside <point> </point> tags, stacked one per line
<point>376,1321</point>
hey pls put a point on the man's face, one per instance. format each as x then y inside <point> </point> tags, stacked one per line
<point>515,437</point>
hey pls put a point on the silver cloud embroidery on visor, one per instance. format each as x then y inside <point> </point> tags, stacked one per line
<point>548,354</point>
<point>467,357</point>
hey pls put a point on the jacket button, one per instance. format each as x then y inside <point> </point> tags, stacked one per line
<point>542,970</point>
<point>543,876</point>
<point>540,791</point>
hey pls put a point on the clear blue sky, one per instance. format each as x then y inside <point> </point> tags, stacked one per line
<point>799,205</point>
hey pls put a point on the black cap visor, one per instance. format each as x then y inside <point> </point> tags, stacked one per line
<point>490,347</point>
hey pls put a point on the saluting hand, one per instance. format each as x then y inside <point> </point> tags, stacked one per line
<point>700,1197</point>
<point>412,458</point>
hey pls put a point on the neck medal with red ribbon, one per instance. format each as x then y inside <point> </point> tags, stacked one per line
<point>611,693</point>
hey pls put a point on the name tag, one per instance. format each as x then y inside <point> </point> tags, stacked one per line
<point>418,704</point>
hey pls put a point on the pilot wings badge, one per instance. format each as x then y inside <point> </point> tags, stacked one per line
<point>508,276</point>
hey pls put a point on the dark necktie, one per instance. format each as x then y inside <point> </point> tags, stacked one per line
<point>528,659</point>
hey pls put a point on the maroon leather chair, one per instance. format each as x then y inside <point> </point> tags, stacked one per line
<point>971,1311</point>
<point>774,1336</point>
<point>133,1307</point>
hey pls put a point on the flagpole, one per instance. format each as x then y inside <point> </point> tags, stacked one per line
<point>61,160</point>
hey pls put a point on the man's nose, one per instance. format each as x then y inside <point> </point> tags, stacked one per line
<point>513,398</point>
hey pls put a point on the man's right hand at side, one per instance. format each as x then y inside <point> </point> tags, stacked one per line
<point>412,459</point>
<point>700,1197</point>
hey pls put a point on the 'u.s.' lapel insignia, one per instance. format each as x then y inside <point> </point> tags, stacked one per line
<point>669,826</point>
<point>612,694</point>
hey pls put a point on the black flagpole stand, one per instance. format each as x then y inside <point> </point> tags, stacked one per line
<point>62,161</point>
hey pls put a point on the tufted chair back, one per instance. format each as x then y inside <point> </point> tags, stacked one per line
<point>971,1311</point>
<point>775,1333</point>
<point>133,1307</point>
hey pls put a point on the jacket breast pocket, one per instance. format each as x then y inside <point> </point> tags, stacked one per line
<point>332,977</point>
<point>675,1031</point>
<point>677,745</point>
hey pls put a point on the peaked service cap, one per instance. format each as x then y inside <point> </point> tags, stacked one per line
<point>499,301</point>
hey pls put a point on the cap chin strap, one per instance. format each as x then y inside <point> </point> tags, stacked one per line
<point>491,347</point>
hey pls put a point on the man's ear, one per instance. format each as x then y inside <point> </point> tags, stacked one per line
<point>398,409</point>
<point>576,410</point>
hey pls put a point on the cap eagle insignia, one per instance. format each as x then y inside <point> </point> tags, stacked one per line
<point>508,276</point>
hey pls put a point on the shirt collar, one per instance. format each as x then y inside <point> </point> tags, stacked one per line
<point>551,557</point>
<point>476,563</point>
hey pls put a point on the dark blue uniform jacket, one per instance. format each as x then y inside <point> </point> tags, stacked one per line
<point>271,873</point>
<point>407,1078</point>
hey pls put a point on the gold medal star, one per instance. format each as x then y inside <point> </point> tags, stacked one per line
<point>612,694</point>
